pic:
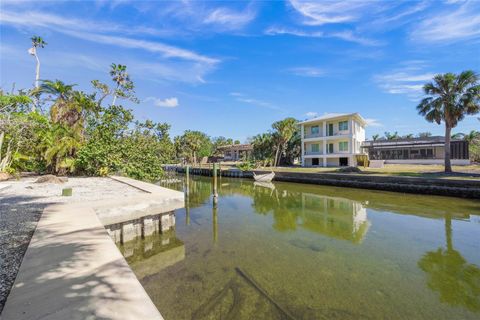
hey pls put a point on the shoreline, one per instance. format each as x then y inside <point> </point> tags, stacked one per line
<point>469,189</point>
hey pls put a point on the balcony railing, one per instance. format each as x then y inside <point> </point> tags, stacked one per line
<point>313,153</point>
<point>313,135</point>
<point>335,134</point>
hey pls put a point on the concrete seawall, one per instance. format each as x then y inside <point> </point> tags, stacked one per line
<point>72,268</point>
<point>442,187</point>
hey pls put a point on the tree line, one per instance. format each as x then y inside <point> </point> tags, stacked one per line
<point>55,128</point>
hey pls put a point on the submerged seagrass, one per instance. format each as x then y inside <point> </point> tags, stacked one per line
<point>294,251</point>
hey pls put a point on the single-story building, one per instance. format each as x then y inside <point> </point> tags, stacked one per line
<point>427,150</point>
<point>236,152</point>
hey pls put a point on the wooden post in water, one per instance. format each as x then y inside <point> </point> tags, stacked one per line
<point>187,195</point>
<point>215,220</point>
<point>215,181</point>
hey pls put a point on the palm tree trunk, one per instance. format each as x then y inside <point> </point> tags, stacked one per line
<point>448,164</point>
<point>276,156</point>
<point>115,95</point>
<point>37,85</point>
<point>448,231</point>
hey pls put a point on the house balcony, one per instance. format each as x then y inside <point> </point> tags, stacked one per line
<point>336,135</point>
<point>313,154</point>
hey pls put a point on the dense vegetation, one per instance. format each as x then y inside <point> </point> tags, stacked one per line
<point>55,128</point>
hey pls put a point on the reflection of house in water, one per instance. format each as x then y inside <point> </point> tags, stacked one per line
<point>148,243</point>
<point>334,217</point>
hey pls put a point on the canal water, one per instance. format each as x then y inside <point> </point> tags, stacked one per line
<point>297,251</point>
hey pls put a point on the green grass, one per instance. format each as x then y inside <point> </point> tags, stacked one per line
<point>423,171</point>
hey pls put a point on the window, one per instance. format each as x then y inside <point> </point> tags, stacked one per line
<point>315,147</point>
<point>343,146</point>
<point>330,148</point>
<point>314,130</point>
<point>343,126</point>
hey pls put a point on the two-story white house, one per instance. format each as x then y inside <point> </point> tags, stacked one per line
<point>332,140</point>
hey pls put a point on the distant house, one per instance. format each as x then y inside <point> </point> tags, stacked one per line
<point>428,150</point>
<point>236,152</point>
<point>332,140</point>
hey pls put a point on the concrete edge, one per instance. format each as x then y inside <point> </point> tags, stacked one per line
<point>72,268</point>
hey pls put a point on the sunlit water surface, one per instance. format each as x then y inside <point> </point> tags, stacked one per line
<point>296,251</point>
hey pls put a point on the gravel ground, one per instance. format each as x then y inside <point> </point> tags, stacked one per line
<point>21,205</point>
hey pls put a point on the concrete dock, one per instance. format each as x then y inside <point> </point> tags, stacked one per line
<point>72,268</point>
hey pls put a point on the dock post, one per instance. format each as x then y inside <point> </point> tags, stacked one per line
<point>187,197</point>
<point>215,220</point>
<point>215,181</point>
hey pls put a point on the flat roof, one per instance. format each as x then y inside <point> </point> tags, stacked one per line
<point>332,116</point>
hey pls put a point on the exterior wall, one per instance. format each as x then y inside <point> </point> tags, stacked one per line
<point>333,162</point>
<point>439,152</point>
<point>354,136</point>
<point>456,162</point>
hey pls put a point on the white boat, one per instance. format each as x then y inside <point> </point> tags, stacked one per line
<point>264,177</point>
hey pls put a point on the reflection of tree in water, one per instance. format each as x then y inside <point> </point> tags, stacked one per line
<point>199,193</point>
<point>457,281</point>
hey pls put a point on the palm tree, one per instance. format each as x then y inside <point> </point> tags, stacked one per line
<point>37,42</point>
<point>391,136</point>
<point>456,280</point>
<point>472,136</point>
<point>61,93</point>
<point>449,98</point>
<point>263,147</point>
<point>425,134</point>
<point>409,136</point>
<point>121,78</point>
<point>375,137</point>
<point>285,129</point>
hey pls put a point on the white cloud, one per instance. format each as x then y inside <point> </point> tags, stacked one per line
<point>272,31</point>
<point>89,30</point>
<point>346,35</point>
<point>349,35</point>
<point>166,103</point>
<point>373,122</point>
<point>408,80</point>
<point>307,72</point>
<point>449,26</point>
<point>311,114</point>
<point>317,13</point>
<point>230,19</point>
<point>240,97</point>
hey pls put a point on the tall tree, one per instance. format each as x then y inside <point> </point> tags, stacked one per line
<point>124,86</point>
<point>263,147</point>
<point>37,42</point>
<point>284,131</point>
<point>425,134</point>
<point>449,98</point>
<point>375,137</point>
<point>193,144</point>
<point>391,136</point>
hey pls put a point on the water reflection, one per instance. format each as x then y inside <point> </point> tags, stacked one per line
<point>149,244</point>
<point>449,274</point>
<point>251,223</point>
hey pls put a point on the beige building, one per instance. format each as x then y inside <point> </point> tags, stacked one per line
<point>236,152</point>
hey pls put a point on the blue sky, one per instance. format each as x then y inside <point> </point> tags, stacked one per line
<point>232,68</point>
